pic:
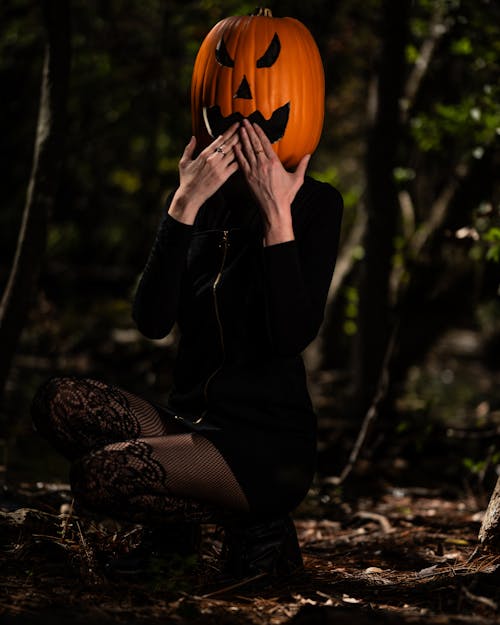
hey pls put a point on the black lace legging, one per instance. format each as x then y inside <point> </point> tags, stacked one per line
<point>130,464</point>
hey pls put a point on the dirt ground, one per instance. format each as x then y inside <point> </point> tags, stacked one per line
<point>407,556</point>
<point>397,543</point>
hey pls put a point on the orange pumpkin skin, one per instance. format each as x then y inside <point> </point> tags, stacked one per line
<point>256,66</point>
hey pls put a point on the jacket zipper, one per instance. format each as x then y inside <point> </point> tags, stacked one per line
<point>225,245</point>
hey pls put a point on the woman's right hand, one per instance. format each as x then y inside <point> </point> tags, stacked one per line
<point>201,177</point>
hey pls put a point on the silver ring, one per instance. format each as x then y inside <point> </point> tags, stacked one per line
<point>219,149</point>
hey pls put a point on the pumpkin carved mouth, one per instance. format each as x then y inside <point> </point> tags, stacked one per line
<point>274,127</point>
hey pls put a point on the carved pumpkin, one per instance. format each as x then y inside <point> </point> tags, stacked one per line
<point>266,69</point>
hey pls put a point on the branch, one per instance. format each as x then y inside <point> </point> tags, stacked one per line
<point>346,258</point>
<point>437,29</point>
<point>43,183</point>
<point>439,210</point>
<point>373,410</point>
<point>420,239</point>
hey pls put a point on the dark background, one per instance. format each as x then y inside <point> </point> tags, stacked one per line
<point>411,140</point>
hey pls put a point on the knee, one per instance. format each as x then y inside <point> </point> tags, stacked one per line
<point>47,401</point>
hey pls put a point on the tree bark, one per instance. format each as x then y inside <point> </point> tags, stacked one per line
<point>381,204</point>
<point>42,188</point>
<point>489,534</point>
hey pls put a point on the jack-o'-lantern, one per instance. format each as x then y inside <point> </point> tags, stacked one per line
<point>266,69</point>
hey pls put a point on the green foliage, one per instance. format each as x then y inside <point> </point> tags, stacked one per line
<point>403,174</point>
<point>474,466</point>
<point>462,46</point>
<point>330,175</point>
<point>351,310</point>
<point>128,119</point>
<point>62,238</point>
<point>478,467</point>
<point>127,181</point>
<point>486,233</point>
<point>463,113</point>
<point>472,123</point>
<point>492,236</point>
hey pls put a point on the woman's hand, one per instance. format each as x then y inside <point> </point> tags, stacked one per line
<point>272,185</point>
<point>201,177</point>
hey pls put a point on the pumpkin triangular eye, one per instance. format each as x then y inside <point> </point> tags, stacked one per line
<point>222,55</point>
<point>271,54</point>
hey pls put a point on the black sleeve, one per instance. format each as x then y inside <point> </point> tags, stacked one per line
<point>155,305</point>
<point>298,276</point>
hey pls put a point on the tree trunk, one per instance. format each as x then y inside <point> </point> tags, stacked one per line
<point>489,534</point>
<point>42,187</point>
<point>381,204</point>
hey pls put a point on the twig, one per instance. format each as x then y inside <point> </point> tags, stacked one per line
<point>472,434</point>
<point>19,608</point>
<point>86,548</point>
<point>346,258</point>
<point>474,554</point>
<point>380,518</point>
<point>372,413</point>
<point>236,585</point>
<point>478,599</point>
<point>419,240</point>
<point>439,210</point>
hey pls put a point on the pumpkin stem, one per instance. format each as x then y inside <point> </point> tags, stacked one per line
<point>262,12</point>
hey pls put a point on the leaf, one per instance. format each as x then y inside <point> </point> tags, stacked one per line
<point>493,235</point>
<point>493,254</point>
<point>456,541</point>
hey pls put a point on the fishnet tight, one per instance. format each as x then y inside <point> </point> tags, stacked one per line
<point>129,463</point>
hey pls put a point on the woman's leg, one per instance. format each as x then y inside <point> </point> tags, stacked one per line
<point>158,479</point>
<point>78,414</point>
<point>130,465</point>
<point>127,462</point>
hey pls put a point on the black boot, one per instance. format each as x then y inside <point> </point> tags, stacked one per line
<point>158,543</point>
<point>269,546</point>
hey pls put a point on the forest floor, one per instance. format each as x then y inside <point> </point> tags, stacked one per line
<point>396,543</point>
<point>406,556</point>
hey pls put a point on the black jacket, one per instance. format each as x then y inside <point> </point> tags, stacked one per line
<point>245,313</point>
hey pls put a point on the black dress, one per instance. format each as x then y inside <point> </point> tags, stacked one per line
<point>245,313</point>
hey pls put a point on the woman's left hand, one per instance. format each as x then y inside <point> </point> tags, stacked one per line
<point>272,185</point>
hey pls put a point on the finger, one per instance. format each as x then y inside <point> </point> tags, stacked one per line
<point>223,156</point>
<point>226,149</point>
<point>300,171</point>
<point>232,141</point>
<point>241,158</point>
<point>222,139</point>
<point>266,144</point>
<point>230,131</point>
<point>254,138</point>
<point>231,169</point>
<point>189,149</point>
<point>228,157</point>
<point>225,136</point>
<point>247,147</point>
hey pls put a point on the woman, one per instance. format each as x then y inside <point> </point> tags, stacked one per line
<point>242,262</point>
